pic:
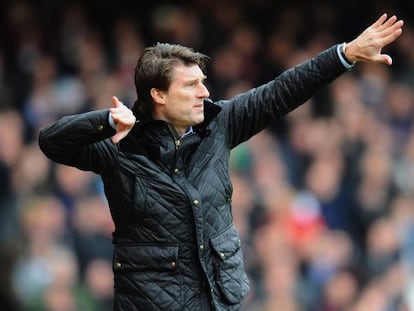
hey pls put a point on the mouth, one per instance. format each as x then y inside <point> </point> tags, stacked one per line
<point>199,107</point>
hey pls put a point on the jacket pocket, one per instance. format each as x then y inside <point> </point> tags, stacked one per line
<point>230,276</point>
<point>147,277</point>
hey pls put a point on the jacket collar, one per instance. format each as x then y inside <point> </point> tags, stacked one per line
<point>211,110</point>
<point>136,142</point>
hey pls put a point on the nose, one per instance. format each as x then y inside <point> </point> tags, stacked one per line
<point>203,91</point>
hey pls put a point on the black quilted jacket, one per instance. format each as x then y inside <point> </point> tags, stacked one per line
<point>176,247</point>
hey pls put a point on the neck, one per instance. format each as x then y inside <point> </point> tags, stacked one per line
<point>175,132</point>
<point>180,132</point>
<point>177,129</point>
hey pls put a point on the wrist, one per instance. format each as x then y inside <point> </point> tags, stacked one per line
<point>111,121</point>
<point>340,50</point>
<point>347,54</point>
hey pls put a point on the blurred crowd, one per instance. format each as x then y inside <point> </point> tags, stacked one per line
<point>323,199</point>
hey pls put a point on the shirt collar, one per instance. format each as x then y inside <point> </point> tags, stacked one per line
<point>188,132</point>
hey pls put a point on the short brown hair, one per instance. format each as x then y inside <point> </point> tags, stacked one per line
<point>154,69</point>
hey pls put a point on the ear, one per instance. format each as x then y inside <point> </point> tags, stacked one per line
<point>158,96</point>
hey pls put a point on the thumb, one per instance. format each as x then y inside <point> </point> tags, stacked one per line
<point>384,59</point>
<point>115,102</point>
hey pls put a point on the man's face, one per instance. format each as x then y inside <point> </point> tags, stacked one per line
<point>183,104</point>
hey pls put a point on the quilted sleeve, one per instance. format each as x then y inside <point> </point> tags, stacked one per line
<point>248,113</point>
<point>80,140</point>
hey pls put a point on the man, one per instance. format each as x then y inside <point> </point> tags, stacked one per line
<point>165,170</point>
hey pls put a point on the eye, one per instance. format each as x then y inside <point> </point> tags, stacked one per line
<point>191,83</point>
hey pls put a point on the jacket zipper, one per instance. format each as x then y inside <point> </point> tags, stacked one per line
<point>177,139</point>
<point>177,144</point>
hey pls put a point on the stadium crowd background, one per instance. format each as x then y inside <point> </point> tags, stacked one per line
<point>323,199</point>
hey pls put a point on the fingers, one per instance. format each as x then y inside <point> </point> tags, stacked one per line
<point>384,23</point>
<point>117,137</point>
<point>392,36</point>
<point>389,22</point>
<point>122,114</point>
<point>392,33</point>
<point>397,26</point>
<point>380,20</point>
<point>124,120</point>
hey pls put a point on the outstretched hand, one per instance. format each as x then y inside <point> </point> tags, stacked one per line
<point>367,47</point>
<point>123,118</point>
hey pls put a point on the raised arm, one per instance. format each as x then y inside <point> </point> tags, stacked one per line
<point>252,111</point>
<point>80,140</point>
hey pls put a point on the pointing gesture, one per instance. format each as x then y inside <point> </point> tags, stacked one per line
<point>123,118</point>
<point>368,45</point>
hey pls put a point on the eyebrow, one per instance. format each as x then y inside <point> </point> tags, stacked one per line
<point>202,78</point>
